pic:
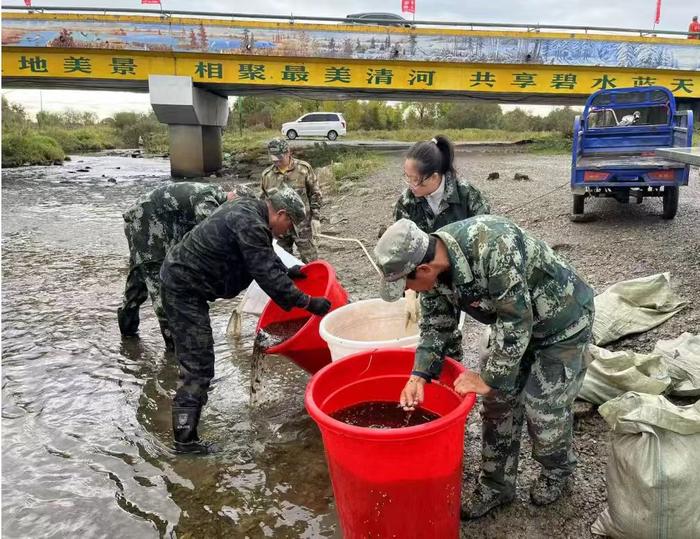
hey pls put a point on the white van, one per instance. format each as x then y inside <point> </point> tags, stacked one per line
<point>316,124</point>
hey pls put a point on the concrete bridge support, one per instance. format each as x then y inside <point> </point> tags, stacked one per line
<point>195,118</point>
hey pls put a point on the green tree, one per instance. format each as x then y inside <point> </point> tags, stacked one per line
<point>517,120</point>
<point>461,115</point>
<point>13,115</point>
<point>560,120</point>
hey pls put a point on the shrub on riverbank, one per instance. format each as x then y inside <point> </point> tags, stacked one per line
<point>75,132</point>
<point>83,139</point>
<point>29,148</point>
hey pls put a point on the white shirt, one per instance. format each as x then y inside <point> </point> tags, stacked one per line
<point>435,197</point>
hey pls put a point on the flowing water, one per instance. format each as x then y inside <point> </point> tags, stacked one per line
<point>269,336</point>
<point>86,416</point>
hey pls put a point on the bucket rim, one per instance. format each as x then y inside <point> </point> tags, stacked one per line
<point>354,343</point>
<point>443,422</point>
<point>313,318</point>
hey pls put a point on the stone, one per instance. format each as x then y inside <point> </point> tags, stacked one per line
<point>493,176</point>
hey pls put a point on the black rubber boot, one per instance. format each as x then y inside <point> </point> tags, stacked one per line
<point>128,320</point>
<point>546,490</point>
<point>167,337</point>
<point>185,421</point>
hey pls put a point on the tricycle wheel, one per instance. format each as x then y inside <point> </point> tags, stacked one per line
<point>578,204</point>
<point>670,202</point>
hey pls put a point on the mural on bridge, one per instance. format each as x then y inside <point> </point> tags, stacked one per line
<point>309,41</point>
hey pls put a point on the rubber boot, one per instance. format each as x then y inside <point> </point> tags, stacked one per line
<point>167,337</point>
<point>128,320</point>
<point>185,421</point>
<point>484,500</point>
<point>546,490</point>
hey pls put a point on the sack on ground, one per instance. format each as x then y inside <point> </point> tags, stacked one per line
<point>611,374</point>
<point>653,473</point>
<point>682,356</point>
<point>634,306</point>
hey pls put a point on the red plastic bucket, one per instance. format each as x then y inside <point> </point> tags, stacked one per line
<point>392,482</point>
<point>306,348</point>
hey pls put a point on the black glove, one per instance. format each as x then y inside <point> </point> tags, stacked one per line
<point>318,306</point>
<point>295,272</point>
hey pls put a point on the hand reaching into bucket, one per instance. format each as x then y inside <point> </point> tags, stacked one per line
<point>295,272</point>
<point>412,394</point>
<point>471,382</point>
<point>318,306</point>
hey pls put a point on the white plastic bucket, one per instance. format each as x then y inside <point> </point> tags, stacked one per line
<point>368,325</point>
<point>255,299</point>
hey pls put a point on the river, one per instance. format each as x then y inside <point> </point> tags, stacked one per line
<point>86,439</point>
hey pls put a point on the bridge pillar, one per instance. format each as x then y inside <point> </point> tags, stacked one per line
<point>195,118</point>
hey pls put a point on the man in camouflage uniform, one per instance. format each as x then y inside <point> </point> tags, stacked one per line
<point>157,221</point>
<point>460,200</point>
<point>298,175</point>
<point>541,315</point>
<point>218,259</point>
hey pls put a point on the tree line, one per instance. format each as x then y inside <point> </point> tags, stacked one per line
<point>271,113</point>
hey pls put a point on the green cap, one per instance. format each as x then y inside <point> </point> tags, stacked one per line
<point>277,148</point>
<point>285,198</point>
<point>399,251</point>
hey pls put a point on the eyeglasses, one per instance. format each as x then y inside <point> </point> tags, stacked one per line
<point>413,181</point>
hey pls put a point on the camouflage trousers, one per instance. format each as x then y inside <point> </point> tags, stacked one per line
<point>306,244</point>
<point>188,316</point>
<point>142,282</point>
<point>549,380</point>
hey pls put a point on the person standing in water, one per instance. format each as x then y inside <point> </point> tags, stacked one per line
<point>218,259</point>
<point>153,225</point>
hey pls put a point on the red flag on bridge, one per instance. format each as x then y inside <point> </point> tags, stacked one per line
<point>657,19</point>
<point>150,1</point>
<point>408,6</point>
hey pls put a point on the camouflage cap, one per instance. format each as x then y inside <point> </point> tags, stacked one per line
<point>399,251</point>
<point>285,198</point>
<point>277,147</point>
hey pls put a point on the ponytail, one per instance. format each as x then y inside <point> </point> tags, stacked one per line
<point>435,155</point>
<point>447,150</point>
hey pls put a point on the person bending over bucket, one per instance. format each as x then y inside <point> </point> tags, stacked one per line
<point>218,259</point>
<point>541,315</point>
<point>155,223</point>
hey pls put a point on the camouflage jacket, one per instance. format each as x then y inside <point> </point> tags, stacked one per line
<point>501,275</point>
<point>300,177</point>
<point>159,219</point>
<point>460,201</point>
<point>221,256</point>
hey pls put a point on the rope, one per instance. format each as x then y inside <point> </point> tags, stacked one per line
<point>536,198</point>
<point>358,242</point>
<point>353,240</point>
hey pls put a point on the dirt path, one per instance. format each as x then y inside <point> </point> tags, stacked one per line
<point>625,241</point>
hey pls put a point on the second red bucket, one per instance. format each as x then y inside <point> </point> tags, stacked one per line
<point>402,482</point>
<point>306,348</point>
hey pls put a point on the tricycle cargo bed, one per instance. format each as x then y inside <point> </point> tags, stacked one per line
<point>607,162</point>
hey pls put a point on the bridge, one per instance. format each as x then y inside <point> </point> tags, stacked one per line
<point>189,63</point>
